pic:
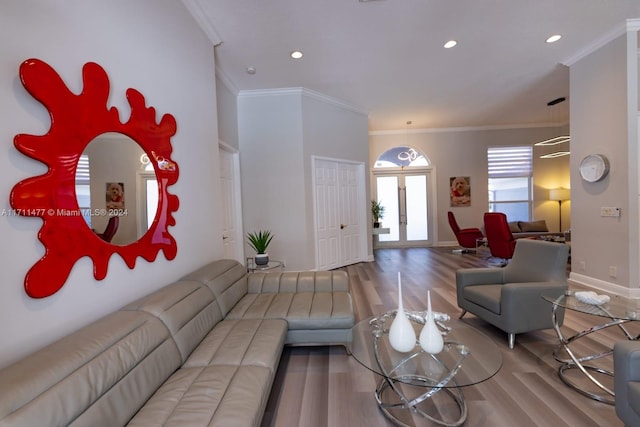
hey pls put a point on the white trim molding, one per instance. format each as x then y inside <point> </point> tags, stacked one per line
<point>604,286</point>
<point>301,91</point>
<point>204,21</point>
<point>466,128</point>
<point>617,31</point>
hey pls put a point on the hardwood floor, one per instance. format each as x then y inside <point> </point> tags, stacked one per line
<point>324,386</point>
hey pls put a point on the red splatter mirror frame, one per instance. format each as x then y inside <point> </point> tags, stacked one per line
<point>75,121</point>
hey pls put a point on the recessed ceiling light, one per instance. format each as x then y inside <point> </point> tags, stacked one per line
<point>554,38</point>
<point>296,54</point>
<point>251,70</point>
<point>450,44</point>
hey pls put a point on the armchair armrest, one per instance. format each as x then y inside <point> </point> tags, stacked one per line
<point>528,291</point>
<point>626,368</point>
<point>479,276</point>
<point>523,307</point>
<point>626,360</point>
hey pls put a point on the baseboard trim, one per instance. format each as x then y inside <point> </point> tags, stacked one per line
<point>604,286</point>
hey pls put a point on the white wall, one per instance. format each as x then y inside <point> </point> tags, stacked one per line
<point>227,102</point>
<point>459,152</point>
<point>603,119</point>
<point>156,47</point>
<point>599,125</point>
<point>279,132</point>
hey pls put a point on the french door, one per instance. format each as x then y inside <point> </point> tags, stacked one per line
<point>409,205</point>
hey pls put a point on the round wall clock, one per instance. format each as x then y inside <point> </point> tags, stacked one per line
<point>594,167</point>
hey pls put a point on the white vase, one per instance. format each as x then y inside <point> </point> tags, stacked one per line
<point>431,339</point>
<point>402,337</point>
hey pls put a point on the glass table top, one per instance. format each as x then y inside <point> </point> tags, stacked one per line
<point>475,356</point>
<point>618,306</point>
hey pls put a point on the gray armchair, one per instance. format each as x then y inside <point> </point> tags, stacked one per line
<point>626,381</point>
<point>510,297</point>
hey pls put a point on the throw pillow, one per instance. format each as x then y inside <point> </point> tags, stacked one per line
<point>514,227</point>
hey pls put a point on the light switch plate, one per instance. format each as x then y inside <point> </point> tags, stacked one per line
<point>609,211</point>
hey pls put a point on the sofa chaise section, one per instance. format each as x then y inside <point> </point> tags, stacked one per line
<point>316,305</point>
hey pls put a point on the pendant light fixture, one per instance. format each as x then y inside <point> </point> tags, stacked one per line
<point>556,140</point>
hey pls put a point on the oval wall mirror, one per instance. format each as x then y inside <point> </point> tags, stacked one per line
<point>78,121</point>
<point>116,188</point>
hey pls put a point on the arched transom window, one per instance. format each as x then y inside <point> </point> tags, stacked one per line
<point>401,156</point>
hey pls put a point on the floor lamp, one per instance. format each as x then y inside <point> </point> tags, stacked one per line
<point>559,194</point>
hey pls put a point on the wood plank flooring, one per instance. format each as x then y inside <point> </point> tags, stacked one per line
<point>324,386</point>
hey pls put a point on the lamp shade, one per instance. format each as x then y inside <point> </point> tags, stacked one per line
<point>559,194</point>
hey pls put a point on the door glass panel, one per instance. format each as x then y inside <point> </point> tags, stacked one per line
<point>152,200</point>
<point>387,187</point>
<point>416,200</point>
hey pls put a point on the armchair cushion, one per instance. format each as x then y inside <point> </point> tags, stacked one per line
<point>487,296</point>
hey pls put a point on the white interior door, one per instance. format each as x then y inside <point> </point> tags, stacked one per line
<point>339,217</point>
<point>231,209</point>
<point>349,213</point>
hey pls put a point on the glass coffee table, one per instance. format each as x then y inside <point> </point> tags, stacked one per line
<point>616,312</point>
<point>410,381</point>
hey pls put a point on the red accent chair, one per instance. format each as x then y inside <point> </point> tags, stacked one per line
<point>466,236</point>
<point>499,237</point>
<point>110,230</point>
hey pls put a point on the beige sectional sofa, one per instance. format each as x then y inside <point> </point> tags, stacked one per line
<point>202,351</point>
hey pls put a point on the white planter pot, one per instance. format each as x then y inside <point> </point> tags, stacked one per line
<point>261,259</point>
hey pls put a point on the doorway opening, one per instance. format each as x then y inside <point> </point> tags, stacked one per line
<point>405,186</point>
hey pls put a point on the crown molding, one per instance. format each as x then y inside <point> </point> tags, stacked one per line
<point>204,21</point>
<point>465,129</point>
<point>617,31</point>
<point>301,91</point>
<point>633,24</point>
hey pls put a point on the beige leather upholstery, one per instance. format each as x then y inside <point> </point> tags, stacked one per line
<point>316,305</point>
<point>177,357</point>
<point>227,280</point>
<point>98,376</point>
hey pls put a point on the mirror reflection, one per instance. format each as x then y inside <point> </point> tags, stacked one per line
<point>116,188</point>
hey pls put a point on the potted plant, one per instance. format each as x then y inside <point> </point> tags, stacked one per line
<point>259,241</point>
<point>377,212</point>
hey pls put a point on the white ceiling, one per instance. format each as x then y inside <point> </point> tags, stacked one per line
<point>386,57</point>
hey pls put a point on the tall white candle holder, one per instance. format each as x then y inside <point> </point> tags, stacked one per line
<point>430,339</point>
<point>402,337</point>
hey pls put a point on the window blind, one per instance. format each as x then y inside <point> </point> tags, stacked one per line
<point>82,170</point>
<point>509,162</point>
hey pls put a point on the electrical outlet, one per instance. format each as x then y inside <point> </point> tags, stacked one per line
<point>613,271</point>
<point>609,211</point>
<point>582,265</point>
